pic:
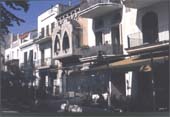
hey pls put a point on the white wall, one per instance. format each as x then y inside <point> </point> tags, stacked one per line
<point>132,21</point>
<point>28,49</point>
<point>91,36</point>
<point>128,25</point>
<point>48,17</point>
<point>161,9</point>
<point>14,51</point>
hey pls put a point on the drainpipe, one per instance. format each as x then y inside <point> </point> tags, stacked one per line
<point>109,88</point>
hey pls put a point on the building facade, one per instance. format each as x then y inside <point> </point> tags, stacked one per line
<point>45,64</point>
<point>21,50</point>
<point>150,40</point>
<point>135,33</point>
<point>114,47</point>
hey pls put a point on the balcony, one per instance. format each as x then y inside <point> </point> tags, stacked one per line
<point>96,8</point>
<point>43,39</point>
<point>42,63</point>
<point>86,51</point>
<point>27,66</point>
<point>93,51</point>
<point>136,42</point>
<point>140,3</point>
<point>12,62</point>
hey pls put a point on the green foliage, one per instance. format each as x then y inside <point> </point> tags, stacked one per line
<point>7,18</point>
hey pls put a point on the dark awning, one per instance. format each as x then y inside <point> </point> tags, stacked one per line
<point>130,63</point>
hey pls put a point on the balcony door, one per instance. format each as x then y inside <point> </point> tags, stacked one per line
<point>115,39</point>
<point>42,57</point>
<point>150,27</point>
<point>25,58</point>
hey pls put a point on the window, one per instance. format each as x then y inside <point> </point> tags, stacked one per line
<point>99,38</point>
<point>77,40</point>
<point>98,23</point>
<point>56,45</point>
<point>52,27</point>
<point>47,30</point>
<point>116,18</point>
<point>12,54</point>
<point>31,57</point>
<point>7,57</point>
<point>35,55</point>
<point>42,32</point>
<point>42,57</point>
<point>17,53</point>
<point>14,38</point>
<point>25,58</point>
<point>150,27</point>
<point>66,44</point>
<point>127,9</point>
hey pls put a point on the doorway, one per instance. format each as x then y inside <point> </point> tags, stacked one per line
<point>150,27</point>
<point>144,102</point>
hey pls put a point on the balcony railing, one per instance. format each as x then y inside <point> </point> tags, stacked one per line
<point>43,62</point>
<point>14,62</point>
<point>95,8</point>
<point>88,3</point>
<point>93,51</point>
<point>136,39</point>
<point>27,66</point>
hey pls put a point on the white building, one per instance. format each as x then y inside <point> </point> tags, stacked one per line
<point>148,35</point>
<point>46,25</point>
<point>28,55</point>
<point>22,50</point>
<point>13,52</point>
<point>122,30</point>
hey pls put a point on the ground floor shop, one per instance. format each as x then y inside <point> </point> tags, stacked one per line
<point>133,84</point>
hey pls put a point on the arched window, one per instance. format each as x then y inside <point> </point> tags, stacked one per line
<point>150,27</point>
<point>65,41</point>
<point>57,44</point>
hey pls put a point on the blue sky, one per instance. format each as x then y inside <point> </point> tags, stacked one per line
<point>30,17</point>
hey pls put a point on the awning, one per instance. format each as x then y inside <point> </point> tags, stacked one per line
<point>130,63</point>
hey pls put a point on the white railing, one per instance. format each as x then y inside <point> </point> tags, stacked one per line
<point>43,62</point>
<point>87,3</point>
<point>136,39</point>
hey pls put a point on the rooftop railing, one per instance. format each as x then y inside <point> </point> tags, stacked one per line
<point>88,3</point>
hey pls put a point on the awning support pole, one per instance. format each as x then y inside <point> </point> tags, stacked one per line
<point>153,84</point>
<point>109,89</point>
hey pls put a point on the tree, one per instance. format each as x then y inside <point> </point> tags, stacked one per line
<point>7,18</point>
